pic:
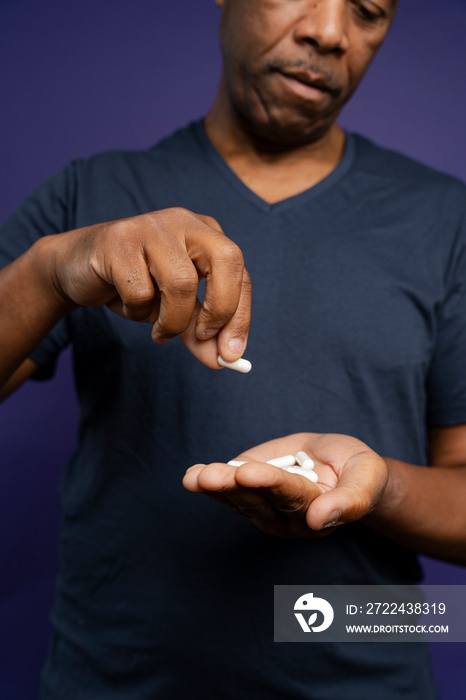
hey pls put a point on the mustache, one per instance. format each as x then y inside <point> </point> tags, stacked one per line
<point>283,65</point>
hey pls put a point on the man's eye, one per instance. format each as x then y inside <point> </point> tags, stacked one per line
<point>369,11</point>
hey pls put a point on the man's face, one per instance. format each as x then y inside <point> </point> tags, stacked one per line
<point>290,65</point>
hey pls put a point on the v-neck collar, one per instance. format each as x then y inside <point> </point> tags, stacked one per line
<point>222,166</point>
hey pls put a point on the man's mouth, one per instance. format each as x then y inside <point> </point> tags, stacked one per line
<point>307,78</point>
<point>305,85</point>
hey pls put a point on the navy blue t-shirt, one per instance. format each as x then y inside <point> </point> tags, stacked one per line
<point>358,327</point>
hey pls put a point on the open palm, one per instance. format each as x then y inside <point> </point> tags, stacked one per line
<point>352,478</point>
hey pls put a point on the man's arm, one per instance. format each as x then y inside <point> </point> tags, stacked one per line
<point>29,308</point>
<point>422,508</point>
<point>146,268</point>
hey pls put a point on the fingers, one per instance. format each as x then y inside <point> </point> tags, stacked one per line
<point>288,493</point>
<point>191,483</point>
<point>185,248</point>
<point>206,351</point>
<point>361,484</point>
<point>222,266</point>
<point>274,500</point>
<point>257,508</point>
<point>177,281</point>
<point>136,294</point>
<point>216,477</point>
<point>170,302</point>
<point>148,268</point>
<point>219,481</point>
<point>232,338</point>
<point>227,299</point>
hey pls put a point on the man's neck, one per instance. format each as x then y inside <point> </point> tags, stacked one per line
<point>273,175</point>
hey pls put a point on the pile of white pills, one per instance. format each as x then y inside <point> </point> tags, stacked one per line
<point>299,463</point>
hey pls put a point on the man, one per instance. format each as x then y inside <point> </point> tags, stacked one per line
<point>295,195</point>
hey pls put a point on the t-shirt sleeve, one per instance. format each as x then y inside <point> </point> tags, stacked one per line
<point>47,211</point>
<point>446,383</point>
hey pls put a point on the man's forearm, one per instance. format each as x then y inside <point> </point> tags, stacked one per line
<point>423,508</point>
<point>29,306</point>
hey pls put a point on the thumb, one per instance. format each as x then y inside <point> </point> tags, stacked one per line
<point>233,337</point>
<point>360,485</point>
<point>207,351</point>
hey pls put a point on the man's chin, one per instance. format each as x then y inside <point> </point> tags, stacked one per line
<point>285,134</point>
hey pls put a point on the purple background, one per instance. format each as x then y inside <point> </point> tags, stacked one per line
<point>83,76</point>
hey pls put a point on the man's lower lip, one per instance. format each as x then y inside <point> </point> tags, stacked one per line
<point>302,89</point>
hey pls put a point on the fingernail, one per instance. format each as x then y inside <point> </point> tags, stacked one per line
<point>158,336</point>
<point>209,332</point>
<point>332,519</point>
<point>236,345</point>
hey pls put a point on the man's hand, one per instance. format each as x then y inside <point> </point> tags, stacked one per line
<point>352,479</point>
<point>147,268</point>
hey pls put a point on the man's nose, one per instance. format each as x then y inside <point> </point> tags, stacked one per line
<point>323,23</point>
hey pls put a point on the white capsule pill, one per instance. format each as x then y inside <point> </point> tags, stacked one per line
<point>240,365</point>
<point>304,460</point>
<point>282,462</point>
<point>235,463</point>
<point>312,476</point>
